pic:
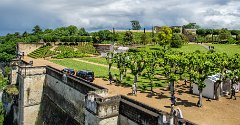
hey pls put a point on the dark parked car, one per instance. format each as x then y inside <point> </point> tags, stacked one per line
<point>69,71</point>
<point>86,74</point>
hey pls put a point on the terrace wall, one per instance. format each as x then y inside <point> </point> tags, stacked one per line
<point>45,97</point>
<point>28,47</point>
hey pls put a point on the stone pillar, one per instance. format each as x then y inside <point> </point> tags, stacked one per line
<point>14,72</point>
<point>101,110</point>
<point>31,80</point>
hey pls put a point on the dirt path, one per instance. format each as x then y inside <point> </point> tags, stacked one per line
<point>53,48</point>
<point>94,63</point>
<point>223,112</point>
<point>204,45</point>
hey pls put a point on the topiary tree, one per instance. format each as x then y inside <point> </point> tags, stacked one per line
<point>137,64</point>
<point>151,65</point>
<point>110,61</point>
<point>121,60</point>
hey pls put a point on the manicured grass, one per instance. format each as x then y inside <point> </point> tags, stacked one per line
<point>77,65</point>
<point>189,48</point>
<point>100,71</point>
<point>99,60</point>
<point>230,49</point>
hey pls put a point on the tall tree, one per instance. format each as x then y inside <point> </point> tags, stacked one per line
<point>36,29</point>
<point>135,25</point>
<point>191,26</point>
<point>72,30</point>
<point>165,36</point>
<point>224,34</point>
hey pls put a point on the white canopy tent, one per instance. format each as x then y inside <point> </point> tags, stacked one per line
<point>210,82</point>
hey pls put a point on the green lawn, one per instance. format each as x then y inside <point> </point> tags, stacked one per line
<point>100,71</point>
<point>189,48</point>
<point>77,65</point>
<point>100,60</point>
<point>226,48</point>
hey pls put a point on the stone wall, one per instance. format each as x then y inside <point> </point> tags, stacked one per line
<point>102,48</point>
<point>28,47</point>
<point>102,108</point>
<point>30,82</point>
<point>45,98</point>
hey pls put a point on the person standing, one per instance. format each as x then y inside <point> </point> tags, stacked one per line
<point>110,77</point>
<point>185,81</point>
<point>173,99</point>
<point>233,93</point>
<point>134,89</point>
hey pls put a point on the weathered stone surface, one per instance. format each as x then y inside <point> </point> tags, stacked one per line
<point>30,114</point>
<point>47,99</point>
<point>28,47</point>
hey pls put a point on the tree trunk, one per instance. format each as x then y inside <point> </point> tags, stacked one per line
<point>200,98</point>
<point>172,87</point>
<point>181,76</point>
<point>135,78</point>
<point>151,81</point>
<point>125,72</point>
<point>109,68</point>
<point>231,86</point>
<point>216,92</point>
<point>121,76</point>
<point>190,85</point>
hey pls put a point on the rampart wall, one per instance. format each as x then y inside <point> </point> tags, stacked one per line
<point>46,97</point>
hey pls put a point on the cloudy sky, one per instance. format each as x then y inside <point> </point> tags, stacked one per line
<point>22,15</point>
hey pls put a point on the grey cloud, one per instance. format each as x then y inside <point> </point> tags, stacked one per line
<point>21,15</point>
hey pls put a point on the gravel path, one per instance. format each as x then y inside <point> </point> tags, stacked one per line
<point>223,112</point>
<point>204,45</point>
<point>94,63</point>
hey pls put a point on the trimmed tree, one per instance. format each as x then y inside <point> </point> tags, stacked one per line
<point>137,64</point>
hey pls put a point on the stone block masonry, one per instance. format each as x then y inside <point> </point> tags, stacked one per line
<point>45,98</point>
<point>28,47</point>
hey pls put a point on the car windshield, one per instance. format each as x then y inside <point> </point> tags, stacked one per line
<point>90,73</point>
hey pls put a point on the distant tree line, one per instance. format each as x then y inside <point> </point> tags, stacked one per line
<point>62,34</point>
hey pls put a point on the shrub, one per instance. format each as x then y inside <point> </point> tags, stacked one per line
<point>177,41</point>
<point>231,41</point>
